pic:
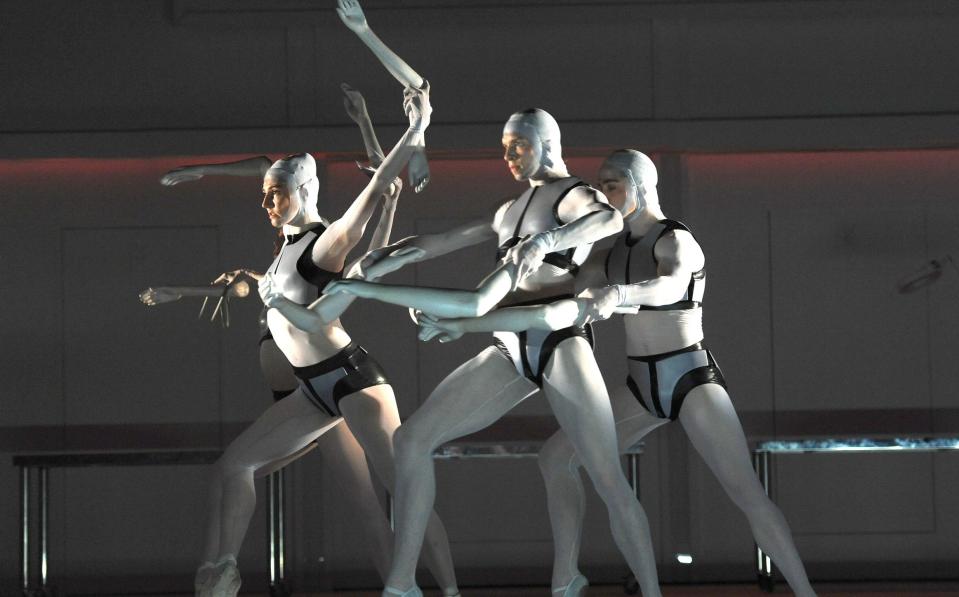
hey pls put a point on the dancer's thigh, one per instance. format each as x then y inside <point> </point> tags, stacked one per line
<point>632,422</point>
<point>714,429</point>
<point>372,418</point>
<point>577,394</point>
<point>284,429</point>
<point>472,397</point>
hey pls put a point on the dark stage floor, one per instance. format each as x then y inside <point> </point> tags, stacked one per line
<point>824,590</point>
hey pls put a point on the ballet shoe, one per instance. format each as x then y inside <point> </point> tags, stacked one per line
<point>203,581</point>
<point>414,591</point>
<point>226,580</point>
<point>575,588</point>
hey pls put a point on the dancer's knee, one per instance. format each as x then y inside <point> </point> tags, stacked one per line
<point>557,459</point>
<point>412,443</point>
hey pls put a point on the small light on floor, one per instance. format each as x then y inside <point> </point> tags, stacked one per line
<point>684,558</point>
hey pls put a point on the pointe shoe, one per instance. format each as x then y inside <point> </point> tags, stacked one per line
<point>226,580</point>
<point>414,591</point>
<point>203,581</point>
<point>575,588</point>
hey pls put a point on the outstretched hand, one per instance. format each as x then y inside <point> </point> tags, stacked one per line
<point>354,103</point>
<point>352,15</point>
<point>157,296</point>
<point>181,174</point>
<point>445,330</point>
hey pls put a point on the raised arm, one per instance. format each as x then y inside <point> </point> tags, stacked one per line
<point>352,16</point>
<point>356,109</point>
<point>330,250</point>
<point>249,167</point>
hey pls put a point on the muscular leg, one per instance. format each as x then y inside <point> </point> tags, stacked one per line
<point>472,397</point>
<point>559,466</point>
<point>711,423</point>
<point>284,429</point>
<point>373,418</point>
<point>574,387</point>
<point>347,462</point>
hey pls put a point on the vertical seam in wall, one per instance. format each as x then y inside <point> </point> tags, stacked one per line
<point>772,321</point>
<point>286,70</point>
<point>928,289</point>
<point>63,401</point>
<point>652,68</point>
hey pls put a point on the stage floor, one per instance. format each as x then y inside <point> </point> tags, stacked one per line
<point>937,589</point>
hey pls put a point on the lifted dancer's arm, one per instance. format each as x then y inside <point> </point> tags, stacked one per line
<point>331,248</point>
<point>352,16</point>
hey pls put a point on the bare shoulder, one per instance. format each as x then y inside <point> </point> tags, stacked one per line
<point>579,201</point>
<point>679,246</point>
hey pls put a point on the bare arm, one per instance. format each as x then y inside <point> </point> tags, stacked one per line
<point>249,167</point>
<point>554,316</point>
<point>330,250</point>
<point>443,302</point>
<point>352,16</point>
<point>588,218</point>
<point>167,294</point>
<point>679,256</point>
<point>356,109</point>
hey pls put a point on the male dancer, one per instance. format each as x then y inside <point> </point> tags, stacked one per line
<point>544,236</point>
<point>656,267</point>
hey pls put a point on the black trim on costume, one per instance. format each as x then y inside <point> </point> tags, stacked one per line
<point>677,306</point>
<point>340,359</point>
<point>563,196</point>
<point>311,272</point>
<point>654,389</point>
<point>553,340</point>
<point>524,357</point>
<point>366,373</point>
<point>693,379</point>
<point>522,215</point>
<point>665,355</point>
<point>281,394</point>
<point>315,398</point>
<point>634,388</point>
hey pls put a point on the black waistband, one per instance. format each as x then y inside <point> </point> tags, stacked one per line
<point>652,358</point>
<point>679,306</point>
<point>539,301</point>
<point>340,359</point>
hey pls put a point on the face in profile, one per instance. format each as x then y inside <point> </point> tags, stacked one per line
<point>615,185</point>
<point>523,156</point>
<point>280,206</point>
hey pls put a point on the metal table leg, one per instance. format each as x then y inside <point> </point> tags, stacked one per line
<point>25,529</point>
<point>44,526</point>
<point>276,511</point>
<point>764,565</point>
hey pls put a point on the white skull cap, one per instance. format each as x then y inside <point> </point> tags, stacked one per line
<point>637,165</point>
<point>536,121</point>
<point>297,169</point>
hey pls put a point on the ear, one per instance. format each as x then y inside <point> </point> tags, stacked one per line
<point>545,159</point>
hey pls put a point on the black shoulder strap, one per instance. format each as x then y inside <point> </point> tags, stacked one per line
<point>311,272</point>
<point>562,195</point>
